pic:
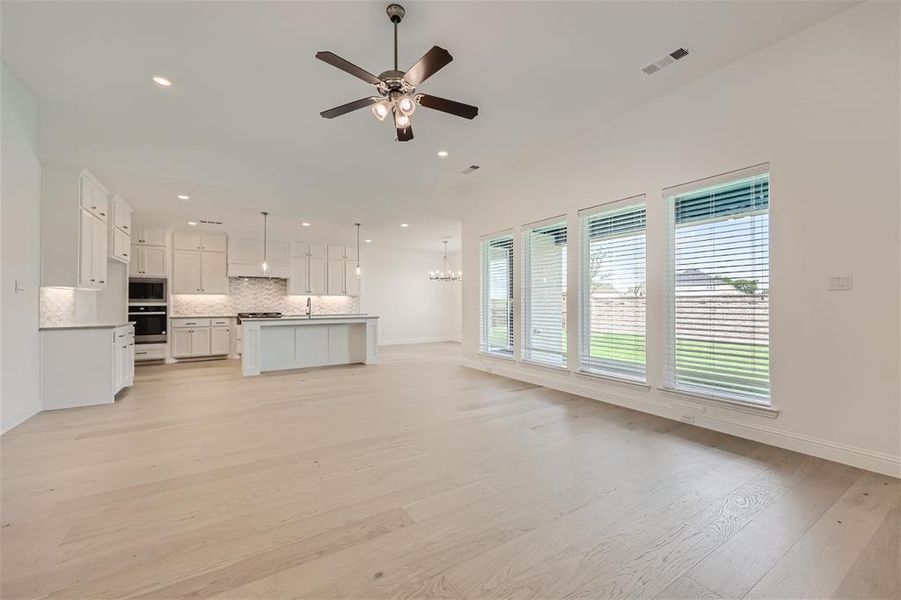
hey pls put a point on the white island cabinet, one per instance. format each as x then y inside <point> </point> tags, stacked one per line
<point>302,342</point>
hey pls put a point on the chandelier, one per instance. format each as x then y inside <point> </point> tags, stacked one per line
<point>446,273</point>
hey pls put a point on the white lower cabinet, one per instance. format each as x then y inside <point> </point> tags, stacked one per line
<point>220,340</point>
<point>193,338</point>
<point>82,366</point>
<point>123,357</point>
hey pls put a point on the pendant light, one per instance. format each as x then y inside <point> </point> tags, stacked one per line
<point>359,271</point>
<point>446,273</point>
<point>265,266</point>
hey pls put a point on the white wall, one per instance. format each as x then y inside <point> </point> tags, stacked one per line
<point>20,227</point>
<point>411,308</point>
<point>822,107</point>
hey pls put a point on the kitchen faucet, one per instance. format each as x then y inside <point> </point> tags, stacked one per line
<point>309,307</point>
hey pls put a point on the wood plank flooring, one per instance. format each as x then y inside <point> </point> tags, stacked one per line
<point>418,478</point>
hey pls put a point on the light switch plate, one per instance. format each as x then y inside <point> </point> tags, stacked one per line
<point>840,282</point>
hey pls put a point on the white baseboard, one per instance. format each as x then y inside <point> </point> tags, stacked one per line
<point>415,341</point>
<point>10,424</point>
<point>863,458</point>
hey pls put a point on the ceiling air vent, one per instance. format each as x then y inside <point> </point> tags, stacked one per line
<point>205,222</point>
<point>665,61</point>
<point>470,169</point>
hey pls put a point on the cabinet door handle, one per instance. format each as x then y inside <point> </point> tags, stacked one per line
<point>125,227</point>
<point>103,214</point>
<point>92,280</point>
<point>101,281</point>
<point>125,254</point>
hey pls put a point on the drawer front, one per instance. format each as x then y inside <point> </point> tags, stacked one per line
<point>181,323</point>
<point>220,322</point>
<point>149,353</point>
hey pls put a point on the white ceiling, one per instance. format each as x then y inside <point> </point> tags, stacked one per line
<point>240,132</point>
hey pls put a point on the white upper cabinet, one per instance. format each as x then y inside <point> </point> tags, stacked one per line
<point>148,261</point>
<point>74,237</point>
<point>94,197</point>
<point>121,215</point>
<point>186,272</point>
<point>120,230</point>
<point>196,270</point>
<point>318,276</point>
<point>120,246</point>
<point>299,275</point>
<point>317,251</point>
<point>150,236</point>
<point>336,277</point>
<point>320,270</point>
<point>199,241</point>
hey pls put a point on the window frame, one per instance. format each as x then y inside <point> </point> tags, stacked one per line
<point>526,297</point>
<point>584,325</point>
<point>485,347</point>
<point>751,403</point>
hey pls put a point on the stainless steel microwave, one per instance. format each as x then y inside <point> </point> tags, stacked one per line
<point>145,289</point>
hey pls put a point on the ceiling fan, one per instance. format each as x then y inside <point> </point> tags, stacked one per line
<point>397,89</point>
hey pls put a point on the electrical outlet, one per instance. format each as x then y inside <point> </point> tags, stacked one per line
<point>840,283</point>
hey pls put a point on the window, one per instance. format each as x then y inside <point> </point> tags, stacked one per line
<point>496,315</point>
<point>544,293</point>
<point>719,287</point>
<point>613,286</point>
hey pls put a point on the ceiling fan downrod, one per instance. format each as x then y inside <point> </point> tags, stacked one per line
<point>396,14</point>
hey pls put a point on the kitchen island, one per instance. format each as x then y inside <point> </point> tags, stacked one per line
<point>274,344</point>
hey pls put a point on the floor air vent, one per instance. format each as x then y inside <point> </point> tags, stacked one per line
<point>471,169</point>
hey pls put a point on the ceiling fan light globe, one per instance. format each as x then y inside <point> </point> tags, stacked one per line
<point>402,121</point>
<point>380,110</point>
<point>407,105</point>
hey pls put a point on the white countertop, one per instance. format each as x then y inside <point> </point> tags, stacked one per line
<point>84,326</point>
<point>305,319</point>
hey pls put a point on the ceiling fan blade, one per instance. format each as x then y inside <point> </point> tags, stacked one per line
<point>349,107</point>
<point>432,61</point>
<point>467,111</point>
<point>347,66</point>
<point>405,134</point>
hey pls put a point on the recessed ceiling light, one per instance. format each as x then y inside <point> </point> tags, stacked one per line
<point>183,197</point>
<point>192,223</point>
<point>442,153</point>
<point>368,241</point>
<point>404,224</point>
<point>305,224</point>
<point>161,81</point>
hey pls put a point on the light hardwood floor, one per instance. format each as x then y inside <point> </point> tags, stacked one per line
<point>418,478</point>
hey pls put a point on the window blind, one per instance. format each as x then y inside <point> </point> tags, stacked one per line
<point>719,289</point>
<point>613,330</point>
<point>496,315</point>
<point>544,294</point>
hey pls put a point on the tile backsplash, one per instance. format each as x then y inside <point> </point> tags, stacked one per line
<point>258,294</point>
<point>66,306</point>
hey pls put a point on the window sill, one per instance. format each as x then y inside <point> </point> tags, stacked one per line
<point>535,363</point>
<point>613,379</point>
<point>499,356</point>
<point>727,403</point>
